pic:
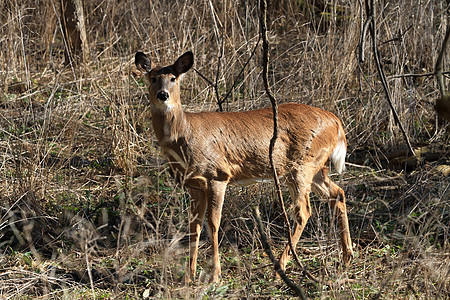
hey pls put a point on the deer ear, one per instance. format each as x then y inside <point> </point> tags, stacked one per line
<point>184,63</point>
<point>142,61</point>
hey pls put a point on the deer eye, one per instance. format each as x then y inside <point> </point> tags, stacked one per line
<point>173,79</point>
<point>153,79</point>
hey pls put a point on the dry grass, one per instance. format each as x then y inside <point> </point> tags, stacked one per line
<point>88,209</point>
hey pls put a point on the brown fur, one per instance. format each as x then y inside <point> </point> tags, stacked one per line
<point>209,150</point>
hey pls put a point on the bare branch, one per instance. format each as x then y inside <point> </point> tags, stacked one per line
<point>265,62</point>
<point>215,85</point>
<point>240,73</point>
<point>372,28</point>
<point>399,37</point>
<point>204,77</point>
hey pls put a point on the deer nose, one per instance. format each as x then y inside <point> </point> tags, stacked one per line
<point>162,95</point>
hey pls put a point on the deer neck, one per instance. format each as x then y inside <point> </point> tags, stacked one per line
<point>169,125</point>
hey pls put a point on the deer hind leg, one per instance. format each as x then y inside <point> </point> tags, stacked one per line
<point>299,192</point>
<point>198,208</point>
<point>216,194</point>
<point>324,187</point>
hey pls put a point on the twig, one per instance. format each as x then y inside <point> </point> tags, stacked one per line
<point>397,38</point>
<point>417,75</point>
<point>372,28</point>
<point>295,288</point>
<point>358,166</point>
<point>215,85</point>
<point>204,77</point>
<point>240,73</point>
<point>88,266</point>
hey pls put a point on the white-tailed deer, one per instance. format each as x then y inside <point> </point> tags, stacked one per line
<point>209,150</point>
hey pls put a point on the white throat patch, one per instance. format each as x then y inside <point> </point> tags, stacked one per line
<point>164,106</point>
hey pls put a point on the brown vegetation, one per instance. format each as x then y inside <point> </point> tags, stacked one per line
<point>89,210</point>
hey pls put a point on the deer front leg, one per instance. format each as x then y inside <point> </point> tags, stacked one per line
<point>216,193</point>
<point>198,208</point>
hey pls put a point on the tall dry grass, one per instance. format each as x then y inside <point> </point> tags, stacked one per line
<point>88,209</point>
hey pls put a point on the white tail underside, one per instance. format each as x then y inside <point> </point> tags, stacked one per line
<point>338,155</point>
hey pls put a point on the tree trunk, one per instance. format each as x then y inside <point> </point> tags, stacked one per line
<point>74,31</point>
